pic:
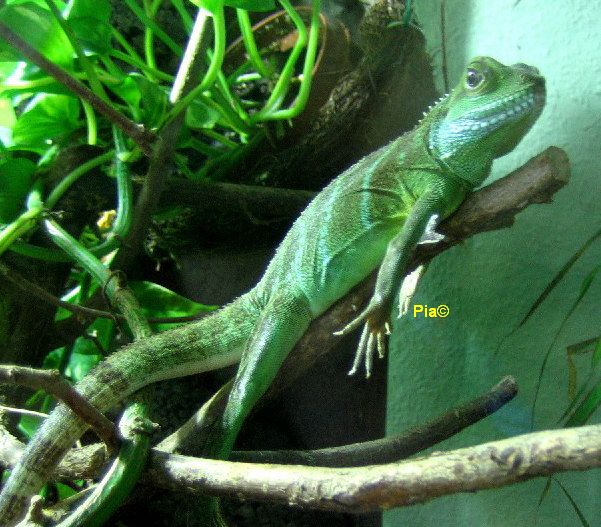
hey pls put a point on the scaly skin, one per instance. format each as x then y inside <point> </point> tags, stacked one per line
<point>371,215</point>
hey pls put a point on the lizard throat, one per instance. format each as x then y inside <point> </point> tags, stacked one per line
<point>447,137</point>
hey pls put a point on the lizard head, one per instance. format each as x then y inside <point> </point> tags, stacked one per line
<point>485,116</point>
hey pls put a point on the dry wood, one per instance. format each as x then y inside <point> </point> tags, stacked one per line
<point>485,466</point>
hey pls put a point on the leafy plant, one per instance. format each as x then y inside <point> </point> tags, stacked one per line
<point>69,77</point>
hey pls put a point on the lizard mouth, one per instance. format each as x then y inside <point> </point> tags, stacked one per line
<point>528,102</point>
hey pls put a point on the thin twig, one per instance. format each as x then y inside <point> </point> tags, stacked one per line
<point>142,137</point>
<point>51,382</point>
<point>27,286</point>
<point>22,411</point>
<point>398,447</point>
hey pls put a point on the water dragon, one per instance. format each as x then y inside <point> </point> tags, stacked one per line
<point>371,216</point>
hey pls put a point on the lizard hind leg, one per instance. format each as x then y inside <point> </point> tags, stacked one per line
<point>282,322</point>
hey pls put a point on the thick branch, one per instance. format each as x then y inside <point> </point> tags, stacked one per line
<point>485,466</point>
<point>496,205</point>
<point>260,204</point>
<point>51,382</point>
<point>369,453</point>
<point>490,465</point>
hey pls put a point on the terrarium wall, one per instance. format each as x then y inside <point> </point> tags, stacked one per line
<point>490,281</point>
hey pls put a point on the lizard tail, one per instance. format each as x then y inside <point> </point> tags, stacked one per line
<point>213,342</point>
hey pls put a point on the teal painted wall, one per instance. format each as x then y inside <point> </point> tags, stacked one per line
<point>490,281</point>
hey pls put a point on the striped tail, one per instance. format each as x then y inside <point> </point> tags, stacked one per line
<point>213,342</point>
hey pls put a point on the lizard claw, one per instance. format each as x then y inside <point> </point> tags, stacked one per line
<point>373,337</point>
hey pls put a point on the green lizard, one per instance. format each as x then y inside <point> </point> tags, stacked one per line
<point>372,215</point>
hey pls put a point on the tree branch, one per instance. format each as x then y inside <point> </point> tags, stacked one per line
<point>363,489</point>
<point>492,207</point>
<point>25,286</point>
<point>159,169</point>
<point>58,387</point>
<point>489,465</point>
<point>397,447</point>
<point>368,453</point>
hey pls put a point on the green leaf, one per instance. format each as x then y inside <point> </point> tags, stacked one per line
<point>128,90</point>
<point>11,91</point>
<point>94,35</point>
<point>586,408</point>
<point>64,491</point>
<point>47,117</point>
<point>84,357</point>
<point>90,20</point>
<point>579,348</point>
<point>572,501</point>
<point>38,28</point>
<point>582,347</point>
<point>209,5</point>
<point>86,354</point>
<point>7,69</point>
<point>249,5</point>
<point>97,9</point>
<point>153,99</point>
<point>16,176</point>
<point>252,5</point>
<point>54,359</point>
<point>559,276</point>
<point>147,100</point>
<point>28,425</point>
<point>596,353</point>
<point>158,301</point>
<point>545,492</point>
<point>200,115</point>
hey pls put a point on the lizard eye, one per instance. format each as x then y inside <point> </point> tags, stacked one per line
<point>473,79</point>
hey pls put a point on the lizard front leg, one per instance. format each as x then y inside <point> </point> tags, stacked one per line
<point>410,281</point>
<point>376,316</point>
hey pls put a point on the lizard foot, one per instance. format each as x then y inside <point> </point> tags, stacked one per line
<point>373,337</point>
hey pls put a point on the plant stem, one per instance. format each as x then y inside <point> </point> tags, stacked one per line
<point>58,191</point>
<point>19,227</point>
<point>250,44</point>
